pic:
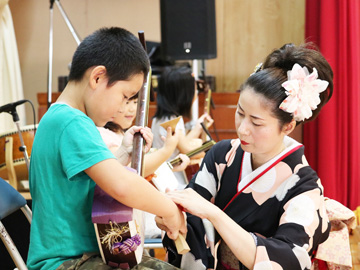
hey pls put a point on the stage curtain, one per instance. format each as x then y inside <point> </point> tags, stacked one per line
<point>332,141</point>
<point>11,88</point>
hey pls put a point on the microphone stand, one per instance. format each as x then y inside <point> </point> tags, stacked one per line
<point>73,32</point>
<point>22,148</point>
<point>68,23</point>
<point>50,54</point>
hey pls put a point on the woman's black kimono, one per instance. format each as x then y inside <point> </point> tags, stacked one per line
<point>280,203</point>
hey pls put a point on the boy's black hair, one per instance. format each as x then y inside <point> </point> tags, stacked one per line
<point>115,48</point>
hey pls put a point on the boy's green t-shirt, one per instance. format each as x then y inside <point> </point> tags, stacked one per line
<point>66,143</point>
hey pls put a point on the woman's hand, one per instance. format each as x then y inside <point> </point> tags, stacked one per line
<point>192,202</point>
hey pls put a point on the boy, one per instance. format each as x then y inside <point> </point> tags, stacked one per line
<point>69,157</point>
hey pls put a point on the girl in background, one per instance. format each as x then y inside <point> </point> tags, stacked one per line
<point>175,96</point>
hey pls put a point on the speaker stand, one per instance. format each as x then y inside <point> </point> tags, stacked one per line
<point>195,105</point>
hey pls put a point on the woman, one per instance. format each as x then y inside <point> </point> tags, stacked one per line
<point>175,96</point>
<point>258,191</point>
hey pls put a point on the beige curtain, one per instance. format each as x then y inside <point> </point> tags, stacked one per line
<point>10,76</point>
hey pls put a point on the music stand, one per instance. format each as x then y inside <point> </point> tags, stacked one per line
<point>73,32</point>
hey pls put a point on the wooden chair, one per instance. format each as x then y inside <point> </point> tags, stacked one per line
<point>12,164</point>
<point>9,164</point>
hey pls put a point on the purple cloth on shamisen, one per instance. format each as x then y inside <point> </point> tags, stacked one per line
<point>106,208</point>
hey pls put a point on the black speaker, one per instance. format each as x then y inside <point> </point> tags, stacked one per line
<point>188,29</point>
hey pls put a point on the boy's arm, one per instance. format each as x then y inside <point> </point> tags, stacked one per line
<point>134,191</point>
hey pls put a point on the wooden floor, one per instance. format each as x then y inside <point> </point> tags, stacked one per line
<point>160,254</point>
<point>355,248</point>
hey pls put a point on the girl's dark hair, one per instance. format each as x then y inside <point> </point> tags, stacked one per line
<point>115,48</point>
<point>274,70</point>
<point>113,127</point>
<point>175,93</point>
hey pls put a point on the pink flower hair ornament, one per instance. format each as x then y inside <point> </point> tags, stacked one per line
<point>303,90</point>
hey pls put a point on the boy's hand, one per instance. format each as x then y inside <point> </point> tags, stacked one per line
<point>173,225</point>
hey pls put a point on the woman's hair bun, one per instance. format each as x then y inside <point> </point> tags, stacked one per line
<point>268,81</point>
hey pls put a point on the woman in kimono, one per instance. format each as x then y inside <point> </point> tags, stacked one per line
<point>258,191</point>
